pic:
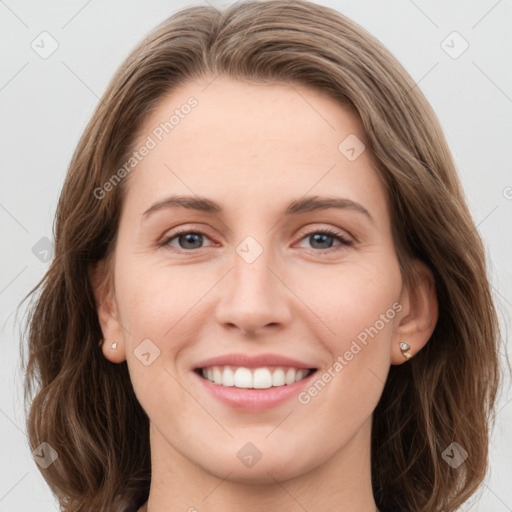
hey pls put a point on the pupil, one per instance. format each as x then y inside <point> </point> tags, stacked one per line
<point>190,238</point>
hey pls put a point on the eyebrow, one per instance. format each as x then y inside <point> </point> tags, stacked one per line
<point>302,205</point>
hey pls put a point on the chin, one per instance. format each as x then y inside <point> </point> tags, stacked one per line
<point>267,470</point>
<point>262,474</point>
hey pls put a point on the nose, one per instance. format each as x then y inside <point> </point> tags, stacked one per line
<point>254,296</point>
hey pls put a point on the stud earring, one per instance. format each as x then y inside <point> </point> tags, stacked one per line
<point>113,346</point>
<point>404,347</point>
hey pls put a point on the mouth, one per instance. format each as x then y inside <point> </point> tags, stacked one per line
<point>253,382</point>
<point>264,377</point>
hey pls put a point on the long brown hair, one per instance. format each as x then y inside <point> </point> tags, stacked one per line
<point>85,407</point>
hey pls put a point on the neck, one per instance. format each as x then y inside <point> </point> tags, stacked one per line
<point>342,483</point>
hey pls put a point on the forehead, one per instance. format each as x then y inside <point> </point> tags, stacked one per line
<point>265,142</point>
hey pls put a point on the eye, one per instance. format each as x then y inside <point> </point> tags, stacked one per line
<point>186,240</point>
<point>323,239</point>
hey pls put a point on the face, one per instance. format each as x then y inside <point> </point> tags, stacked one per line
<point>293,310</point>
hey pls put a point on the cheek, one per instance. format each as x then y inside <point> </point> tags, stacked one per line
<point>153,296</point>
<point>363,350</point>
<point>154,302</point>
<point>360,308</point>
<point>350,298</point>
<point>368,302</point>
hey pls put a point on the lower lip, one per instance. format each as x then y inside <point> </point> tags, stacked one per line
<point>254,399</point>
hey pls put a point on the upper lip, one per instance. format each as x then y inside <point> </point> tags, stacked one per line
<point>253,361</point>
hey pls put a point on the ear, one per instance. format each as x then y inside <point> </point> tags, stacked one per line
<point>418,316</point>
<point>106,308</point>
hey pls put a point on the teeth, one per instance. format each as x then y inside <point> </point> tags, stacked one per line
<point>278,377</point>
<point>228,377</point>
<point>217,375</point>
<point>298,376</point>
<point>262,378</point>
<point>290,376</point>
<point>258,378</point>
<point>243,378</point>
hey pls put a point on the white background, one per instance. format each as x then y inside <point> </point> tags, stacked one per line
<point>46,103</point>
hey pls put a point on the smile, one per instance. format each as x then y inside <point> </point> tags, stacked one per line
<point>254,378</point>
<point>253,382</point>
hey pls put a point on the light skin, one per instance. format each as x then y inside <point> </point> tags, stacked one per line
<point>253,149</point>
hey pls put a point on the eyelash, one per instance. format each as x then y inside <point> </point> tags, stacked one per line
<point>344,242</point>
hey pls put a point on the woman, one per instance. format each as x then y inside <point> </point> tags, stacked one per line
<point>268,289</point>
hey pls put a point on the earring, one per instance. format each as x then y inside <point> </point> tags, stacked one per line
<point>404,347</point>
<point>113,346</point>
